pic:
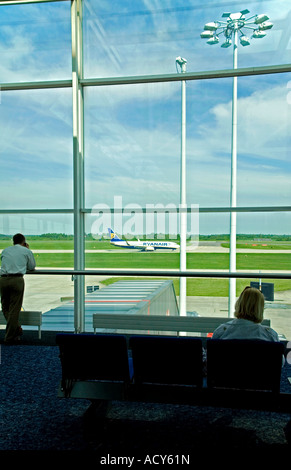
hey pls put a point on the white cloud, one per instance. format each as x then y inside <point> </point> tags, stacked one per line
<point>35,42</point>
<point>263,125</point>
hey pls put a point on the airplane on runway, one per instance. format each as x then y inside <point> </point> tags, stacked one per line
<point>145,245</point>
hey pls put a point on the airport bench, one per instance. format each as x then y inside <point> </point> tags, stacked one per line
<point>94,366</point>
<point>159,323</point>
<point>170,369</point>
<point>27,318</point>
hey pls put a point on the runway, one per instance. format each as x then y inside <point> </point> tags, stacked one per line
<point>190,249</point>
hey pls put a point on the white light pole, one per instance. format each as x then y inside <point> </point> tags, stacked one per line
<point>183,206</point>
<point>234,24</point>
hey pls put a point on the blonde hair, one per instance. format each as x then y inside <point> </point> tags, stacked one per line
<point>250,305</point>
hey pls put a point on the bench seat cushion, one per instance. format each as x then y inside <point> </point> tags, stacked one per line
<point>244,364</point>
<point>93,357</point>
<point>167,360</point>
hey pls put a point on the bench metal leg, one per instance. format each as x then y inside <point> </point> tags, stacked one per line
<point>95,415</point>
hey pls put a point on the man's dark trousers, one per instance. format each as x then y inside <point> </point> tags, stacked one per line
<point>12,291</point>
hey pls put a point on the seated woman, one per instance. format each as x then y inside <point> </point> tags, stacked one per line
<point>249,310</point>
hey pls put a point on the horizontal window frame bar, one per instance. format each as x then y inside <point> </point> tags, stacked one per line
<point>187,76</point>
<point>164,273</point>
<point>148,210</point>
<point>189,209</point>
<point>46,84</point>
<point>23,2</point>
<point>246,209</point>
<point>36,211</point>
<point>138,79</point>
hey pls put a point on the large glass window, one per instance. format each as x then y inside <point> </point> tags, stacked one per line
<point>36,149</point>
<point>263,140</point>
<point>139,37</point>
<point>132,136</point>
<point>35,223</point>
<point>35,42</point>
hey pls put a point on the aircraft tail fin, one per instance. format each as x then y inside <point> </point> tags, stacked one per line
<point>113,236</point>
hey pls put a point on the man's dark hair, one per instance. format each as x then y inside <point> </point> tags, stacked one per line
<point>18,239</point>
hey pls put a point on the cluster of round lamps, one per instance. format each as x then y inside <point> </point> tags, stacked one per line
<point>257,24</point>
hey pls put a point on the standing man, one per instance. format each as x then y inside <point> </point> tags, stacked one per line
<point>16,260</point>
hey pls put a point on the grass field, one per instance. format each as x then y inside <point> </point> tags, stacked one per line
<point>105,245</point>
<point>137,260</point>
<point>213,287</point>
<point>200,261</point>
<point>249,261</point>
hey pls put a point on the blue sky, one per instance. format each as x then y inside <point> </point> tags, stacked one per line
<point>132,147</point>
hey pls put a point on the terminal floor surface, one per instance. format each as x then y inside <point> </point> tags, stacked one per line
<point>34,420</point>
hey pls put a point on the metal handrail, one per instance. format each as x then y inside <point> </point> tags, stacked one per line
<point>163,273</point>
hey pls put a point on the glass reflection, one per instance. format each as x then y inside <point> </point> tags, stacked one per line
<point>137,37</point>
<point>36,149</point>
<point>35,41</point>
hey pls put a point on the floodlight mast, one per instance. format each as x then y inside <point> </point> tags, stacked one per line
<point>234,24</point>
